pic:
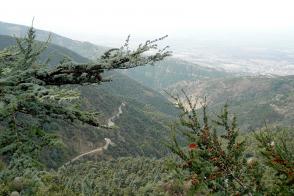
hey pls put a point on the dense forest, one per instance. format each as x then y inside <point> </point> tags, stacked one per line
<point>54,142</point>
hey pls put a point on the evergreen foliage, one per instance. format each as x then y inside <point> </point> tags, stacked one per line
<point>277,150</point>
<point>212,159</point>
<point>32,94</point>
<point>123,176</point>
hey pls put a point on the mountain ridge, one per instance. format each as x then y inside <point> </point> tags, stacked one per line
<point>86,49</point>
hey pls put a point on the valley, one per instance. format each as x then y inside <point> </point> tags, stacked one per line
<point>209,77</point>
<point>144,142</point>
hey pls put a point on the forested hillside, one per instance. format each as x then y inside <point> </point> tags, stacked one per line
<point>146,114</point>
<point>41,109</point>
<point>70,125</point>
<point>258,100</point>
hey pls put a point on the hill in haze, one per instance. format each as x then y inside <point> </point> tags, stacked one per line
<point>85,49</point>
<point>54,52</point>
<point>159,77</point>
<point>255,100</point>
<point>172,71</point>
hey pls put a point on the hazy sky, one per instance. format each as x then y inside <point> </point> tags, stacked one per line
<point>85,19</point>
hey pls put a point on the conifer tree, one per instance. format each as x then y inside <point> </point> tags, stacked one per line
<point>211,158</point>
<point>32,93</point>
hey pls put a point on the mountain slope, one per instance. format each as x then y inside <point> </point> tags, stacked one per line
<point>171,72</point>
<point>54,52</point>
<point>139,130</point>
<point>255,100</point>
<point>85,49</point>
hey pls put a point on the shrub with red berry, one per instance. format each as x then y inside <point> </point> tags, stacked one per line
<point>213,158</point>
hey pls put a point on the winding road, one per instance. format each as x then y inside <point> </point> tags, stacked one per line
<point>100,149</point>
<point>110,122</point>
